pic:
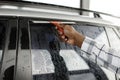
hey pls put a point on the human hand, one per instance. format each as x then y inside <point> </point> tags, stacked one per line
<point>68,34</point>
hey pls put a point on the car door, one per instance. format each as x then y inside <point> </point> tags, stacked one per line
<point>32,51</point>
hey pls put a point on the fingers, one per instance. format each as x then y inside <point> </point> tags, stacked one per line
<point>61,33</point>
<point>60,28</point>
<point>65,37</point>
<point>62,38</point>
<point>70,42</point>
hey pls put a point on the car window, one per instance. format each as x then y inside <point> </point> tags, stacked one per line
<point>2,38</point>
<point>51,58</point>
<point>8,34</point>
<point>114,38</point>
<point>75,66</point>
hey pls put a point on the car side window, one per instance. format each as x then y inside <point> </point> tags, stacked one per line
<point>41,37</point>
<point>8,34</point>
<point>2,39</point>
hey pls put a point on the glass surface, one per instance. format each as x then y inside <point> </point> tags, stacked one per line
<point>8,62</point>
<point>10,56</point>
<point>2,37</point>
<point>43,65</point>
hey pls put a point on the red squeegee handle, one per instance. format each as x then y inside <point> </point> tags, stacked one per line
<point>57,24</point>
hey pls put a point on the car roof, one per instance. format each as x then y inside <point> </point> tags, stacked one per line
<point>49,12</point>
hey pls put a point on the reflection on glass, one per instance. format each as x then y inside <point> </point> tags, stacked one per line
<point>0,55</point>
<point>8,58</point>
<point>24,39</point>
<point>40,47</point>
<point>2,38</point>
<point>45,61</point>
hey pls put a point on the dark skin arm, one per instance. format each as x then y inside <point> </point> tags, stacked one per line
<point>70,35</point>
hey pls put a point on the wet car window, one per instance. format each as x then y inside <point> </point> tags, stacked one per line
<point>51,58</point>
<point>8,35</point>
<point>45,45</point>
<point>2,38</point>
